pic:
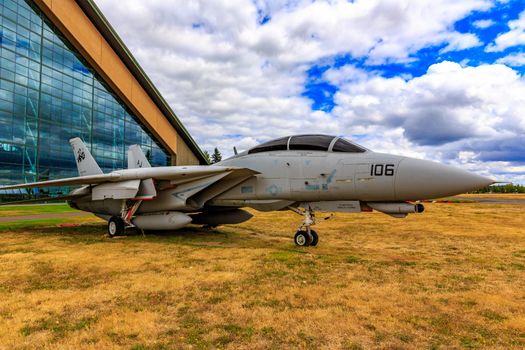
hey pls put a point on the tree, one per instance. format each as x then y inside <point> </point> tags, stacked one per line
<point>216,156</point>
<point>508,188</point>
<point>207,156</point>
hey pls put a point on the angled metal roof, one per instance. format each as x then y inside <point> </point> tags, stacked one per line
<point>101,23</point>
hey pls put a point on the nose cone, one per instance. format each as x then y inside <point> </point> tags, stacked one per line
<point>422,179</point>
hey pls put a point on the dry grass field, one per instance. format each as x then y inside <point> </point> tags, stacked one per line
<point>452,277</point>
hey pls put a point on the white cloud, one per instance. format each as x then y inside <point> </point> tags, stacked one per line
<point>452,113</point>
<point>344,75</point>
<point>233,81</point>
<point>459,41</point>
<point>514,37</point>
<point>513,60</point>
<point>219,68</point>
<point>483,23</point>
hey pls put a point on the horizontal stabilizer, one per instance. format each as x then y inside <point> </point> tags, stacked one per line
<point>45,199</point>
<point>71,181</point>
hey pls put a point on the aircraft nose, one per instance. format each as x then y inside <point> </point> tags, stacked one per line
<point>422,179</point>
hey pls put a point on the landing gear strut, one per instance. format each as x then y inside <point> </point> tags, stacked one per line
<point>117,224</point>
<point>305,236</point>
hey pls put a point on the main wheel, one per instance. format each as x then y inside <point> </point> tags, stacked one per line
<point>301,239</point>
<point>115,226</point>
<point>315,238</point>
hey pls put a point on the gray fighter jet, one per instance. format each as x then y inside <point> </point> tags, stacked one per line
<point>302,173</point>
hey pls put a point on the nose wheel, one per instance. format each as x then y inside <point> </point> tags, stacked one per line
<point>303,239</point>
<point>305,236</point>
<point>315,238</point>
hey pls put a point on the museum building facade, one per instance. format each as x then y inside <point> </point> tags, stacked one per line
<point>64,73</point>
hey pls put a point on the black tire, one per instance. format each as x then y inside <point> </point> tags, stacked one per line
<point>301,239</point>
<point>315,238</point>
<point>115,226</point>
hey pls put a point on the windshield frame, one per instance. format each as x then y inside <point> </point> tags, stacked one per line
<point>287,142</point>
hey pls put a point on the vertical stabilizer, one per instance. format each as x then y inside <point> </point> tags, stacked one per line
<point>86,164</point>
<point>136,158</point>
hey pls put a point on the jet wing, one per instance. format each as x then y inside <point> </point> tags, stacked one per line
<point>174,174</point>
<point>138,181</point>
<point>80,180</point>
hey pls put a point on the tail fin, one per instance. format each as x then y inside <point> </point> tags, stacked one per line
<point>86,164</point>
<point>136,158</point>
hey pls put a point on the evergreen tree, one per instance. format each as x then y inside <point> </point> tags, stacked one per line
<point>216,156</point>
<point>508,188</point>
<point>207,157</point>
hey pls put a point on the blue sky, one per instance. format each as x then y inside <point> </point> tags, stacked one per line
<point>440,80</point>
<point>321,92</point>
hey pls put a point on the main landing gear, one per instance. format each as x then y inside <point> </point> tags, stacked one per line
<point>117,224</point>
<point>305,236</point>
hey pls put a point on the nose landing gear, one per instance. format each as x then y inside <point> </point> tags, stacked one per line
<point>303,239</point>
<point>305,236</point>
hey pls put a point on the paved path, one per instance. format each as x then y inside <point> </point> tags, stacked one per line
<point>41,216</point>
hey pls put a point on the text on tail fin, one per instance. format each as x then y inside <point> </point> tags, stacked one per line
<point>136,158</point>
<point>86,164</point>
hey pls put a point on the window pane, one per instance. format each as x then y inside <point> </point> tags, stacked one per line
<point>345,146</point>
<point>311,142</point>
<point>273,145</point>
<point>48,94</point>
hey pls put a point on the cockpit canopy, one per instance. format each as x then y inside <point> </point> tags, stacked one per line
<point>309,143</point>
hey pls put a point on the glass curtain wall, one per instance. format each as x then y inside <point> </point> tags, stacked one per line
<point>49,94</point>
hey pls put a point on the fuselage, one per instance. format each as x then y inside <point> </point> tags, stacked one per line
<point>367,176</point>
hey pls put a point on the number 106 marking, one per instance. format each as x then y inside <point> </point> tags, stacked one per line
<point>382,170</point>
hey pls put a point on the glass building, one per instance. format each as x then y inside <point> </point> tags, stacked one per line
<point>49,94</point>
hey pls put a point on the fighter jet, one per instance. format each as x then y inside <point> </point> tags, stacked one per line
<point>302,173</point>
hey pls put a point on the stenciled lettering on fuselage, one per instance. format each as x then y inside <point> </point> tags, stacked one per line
<point>329,180</point>
<point>311,187</point>
<point>382,170</point>
<point>324,186</point>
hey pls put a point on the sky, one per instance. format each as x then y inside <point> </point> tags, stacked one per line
<point>435,79</point>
